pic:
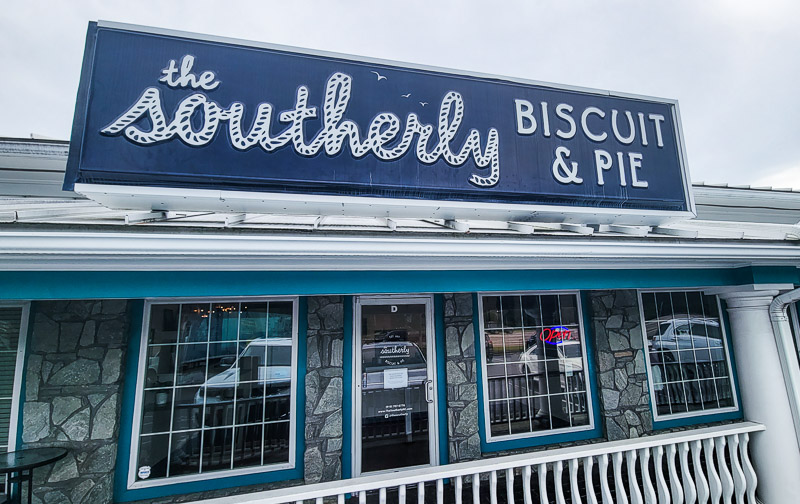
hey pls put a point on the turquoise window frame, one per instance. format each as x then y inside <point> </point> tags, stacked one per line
<point>128,415</point>
<point>538,439</point>
<point>706,416</point>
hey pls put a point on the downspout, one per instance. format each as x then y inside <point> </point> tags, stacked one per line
<point>787,352</point>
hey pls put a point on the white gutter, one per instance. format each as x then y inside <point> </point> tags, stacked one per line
<point>292,252</point>
<point>787,351</point>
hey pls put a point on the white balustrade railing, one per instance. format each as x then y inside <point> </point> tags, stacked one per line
<point>707,465</point>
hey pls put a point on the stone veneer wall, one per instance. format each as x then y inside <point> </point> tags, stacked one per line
<point>619,346</point>
<point>462,388</point>
<point>323,429</point>
<point>72,388</point>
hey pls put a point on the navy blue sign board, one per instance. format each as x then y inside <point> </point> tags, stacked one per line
<point>172,110</point>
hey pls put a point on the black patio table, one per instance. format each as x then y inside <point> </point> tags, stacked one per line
<point>21,463</point>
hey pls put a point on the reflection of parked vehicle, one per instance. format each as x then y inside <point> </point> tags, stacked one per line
<point>685,349</point>
<point>265,361</point>
<point>568,353</point>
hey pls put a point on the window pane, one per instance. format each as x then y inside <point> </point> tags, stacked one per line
<point>276,442</point>
<point>687,352</point>
<point>160,366</point>
<point>537,363</point>
<point>224,322</point>
<point>156,411</point>
<point>215,374</point>
<point>185,453</point>
<point>153,451</point>
<point>194,323</point>
<point>163,324</point>
<point>512,312</point>
<point>280,320</point>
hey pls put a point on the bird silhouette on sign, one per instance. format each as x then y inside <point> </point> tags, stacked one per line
<point>406,95</point>
<point>423,103</point>
<point>380,77</point>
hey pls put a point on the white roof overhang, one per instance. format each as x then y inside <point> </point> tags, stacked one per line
<point>33,250</point>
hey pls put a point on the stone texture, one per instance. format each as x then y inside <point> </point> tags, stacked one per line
<point>322,459</point>
<point>462,387</point>
<point>624,397</point>
<point>72,386</point>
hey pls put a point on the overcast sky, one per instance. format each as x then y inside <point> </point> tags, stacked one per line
<point>734,66</point>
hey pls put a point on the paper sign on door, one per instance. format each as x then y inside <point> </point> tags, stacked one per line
<point>395,378</point>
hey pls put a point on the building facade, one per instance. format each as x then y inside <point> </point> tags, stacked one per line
<point>199,350</point>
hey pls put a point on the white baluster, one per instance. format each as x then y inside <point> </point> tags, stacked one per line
<point>736,468</point>
<point>298,502</point>
<point>647,482</point>
<point>619,486</point>
<point>714,484</point>
<point>575,492</point>
<point>689,490</point>
<point>459,485</point>
<point>440,491</point>
<point>421,492</point>
<point>340,499</point>
<point>382,495</point>
<point>633,483</point>
<point>661,482</point>
<point>493,487</point>
<point>476,488</point>
<point>604,489</point>
<point>401,494</point>
<point>558,480</point>
<point>526,484</point>
<point>588,465</point>
<point>319,500</point>
<point>362,497</point>
<point>674,482</point>
<point>510,485</point>
<point>749,472</point>
<point>700,482</point>
<point>541,471</point>
<point>724,474</point>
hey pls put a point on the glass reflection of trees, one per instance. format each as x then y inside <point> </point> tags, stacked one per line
<point>534,363</point>
<point>217,391</point>
<point>688,357</point>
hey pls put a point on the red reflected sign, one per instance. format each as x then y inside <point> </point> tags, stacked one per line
<point>556,335</point>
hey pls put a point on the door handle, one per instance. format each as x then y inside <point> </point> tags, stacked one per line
<point>429,391</point>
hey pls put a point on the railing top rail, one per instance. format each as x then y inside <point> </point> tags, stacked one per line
<point>414,476</point>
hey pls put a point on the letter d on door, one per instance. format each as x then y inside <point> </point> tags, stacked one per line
<point>394,309</point>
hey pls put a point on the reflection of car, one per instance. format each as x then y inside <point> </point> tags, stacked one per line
<point>264,361</point>
<point>568,353</point>
<point>680,344</point>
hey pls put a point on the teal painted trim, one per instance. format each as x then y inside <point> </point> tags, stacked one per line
<point>441,377</point>
<point>476,329</point>
<point>127,404</point>
<point>348,423</point>
<point>701,418</point>
<point>773,274</point>
<point>122,494</point>
<point>144,284</point>
<point>541,440</point>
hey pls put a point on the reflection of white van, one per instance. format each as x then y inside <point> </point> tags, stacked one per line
<point>265,361</point>
<point>568,353</point>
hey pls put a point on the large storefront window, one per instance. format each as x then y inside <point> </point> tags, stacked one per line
<point>218,389</point>
<point>687,354</point>
<point>534,365</point>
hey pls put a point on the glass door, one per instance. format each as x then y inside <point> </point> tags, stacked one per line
<point>394,388</point>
